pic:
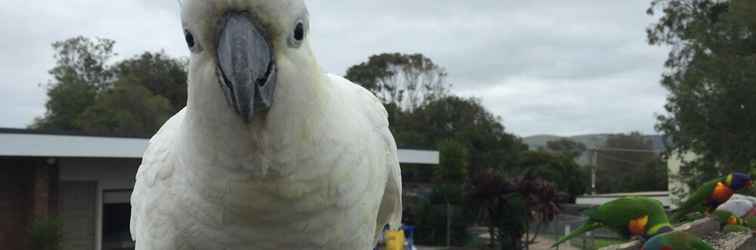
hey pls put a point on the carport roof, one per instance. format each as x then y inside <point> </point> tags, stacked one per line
<point>33,143</point>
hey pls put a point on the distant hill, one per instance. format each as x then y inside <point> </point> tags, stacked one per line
<point>539,141</point>
<point>590,140</point>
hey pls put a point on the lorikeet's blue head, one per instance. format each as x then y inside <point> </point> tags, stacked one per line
<point>739,181</point>
<point>656,243</point>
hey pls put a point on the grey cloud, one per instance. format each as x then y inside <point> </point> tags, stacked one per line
<point>561,67</point>
<point>535,106</point>
<point>26,53</point>
<point>589,60</point>
<point>479,41</point>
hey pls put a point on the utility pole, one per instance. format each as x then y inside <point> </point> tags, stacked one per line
<point>594,165</point>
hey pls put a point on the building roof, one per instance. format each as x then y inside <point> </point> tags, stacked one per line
<point>57,145</point>
<point>32,143</point>
<point>59,132</point>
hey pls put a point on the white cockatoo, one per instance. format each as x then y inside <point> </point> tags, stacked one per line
<point>269,153</point>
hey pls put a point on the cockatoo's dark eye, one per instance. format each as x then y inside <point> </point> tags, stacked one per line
<point>189,39</point>
<point>298,34</point>
<point>194,47</point>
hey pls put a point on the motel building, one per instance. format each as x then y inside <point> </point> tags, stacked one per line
<point>86,181</point>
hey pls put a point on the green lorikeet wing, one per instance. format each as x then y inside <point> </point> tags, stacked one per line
<point>696,201</point>
<point>676,240</point>
<point>618,215</point>
<point>586,227</point>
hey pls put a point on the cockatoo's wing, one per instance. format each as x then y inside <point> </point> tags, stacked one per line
<point>390,212</point>
<point>151,207</point>
<point>391,206</point>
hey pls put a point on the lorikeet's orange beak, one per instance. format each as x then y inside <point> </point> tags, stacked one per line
<point>638,226</point>
<point>732,220</point>
<point>749,184</point>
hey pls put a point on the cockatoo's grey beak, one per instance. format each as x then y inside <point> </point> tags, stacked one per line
<point>246,66</point>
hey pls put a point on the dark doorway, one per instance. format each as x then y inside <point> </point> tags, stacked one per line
<point>115,227</point>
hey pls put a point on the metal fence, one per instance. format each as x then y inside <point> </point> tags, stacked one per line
<point>566,223</point>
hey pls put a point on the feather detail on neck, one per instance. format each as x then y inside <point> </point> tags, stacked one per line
<point>722,192</point>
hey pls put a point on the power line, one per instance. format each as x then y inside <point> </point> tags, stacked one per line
<point>594,160</point>
<point>625,150</point>
<point>621,160</point>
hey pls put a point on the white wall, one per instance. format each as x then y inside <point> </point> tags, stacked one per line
<point>109,173</point>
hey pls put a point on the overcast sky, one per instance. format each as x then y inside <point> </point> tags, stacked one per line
<point>545,67</point>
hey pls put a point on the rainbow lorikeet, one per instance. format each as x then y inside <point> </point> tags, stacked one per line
<point>726,218</point>
<point>677,240</point>
<point>712,194</point>
<point>628,217</point>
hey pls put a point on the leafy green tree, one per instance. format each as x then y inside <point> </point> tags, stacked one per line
<point>442,210</point>
<point>132,97</point>
<point>466,121</point>
<point>405,80</point>
<point>157,72</point>
<point>126,110</point>
<point>81,71</point>
<point>463,120</point>
<point>628,163</point>
<point>450,175</point>
<point>436,115</point>
<point>453,162</point>
<point>431,224</point>
<point>561,170</point>
<point>422,114</point>
<point>711,81</point>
